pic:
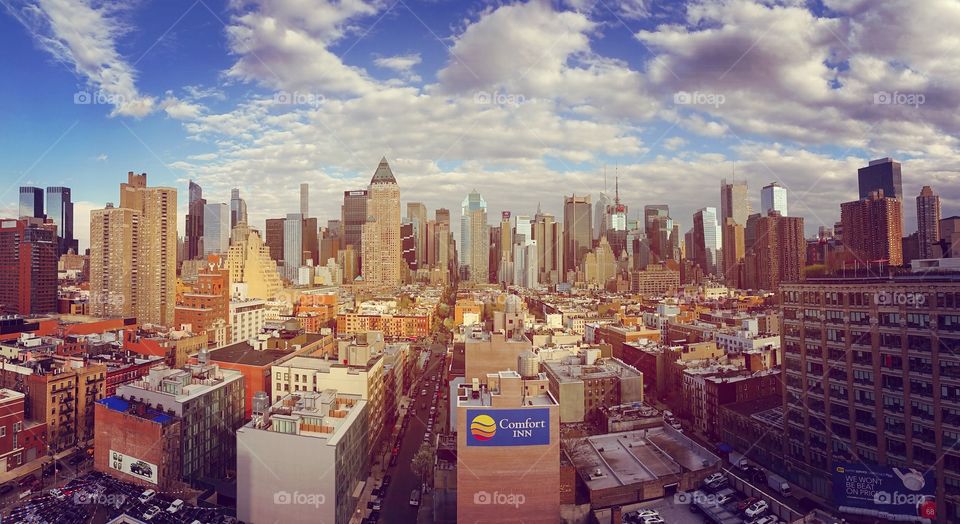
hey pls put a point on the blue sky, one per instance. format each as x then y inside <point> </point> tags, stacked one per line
<point>525,101</point>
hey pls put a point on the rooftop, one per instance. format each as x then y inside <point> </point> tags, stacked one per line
<point>604,368</point>
<point>245,354</point>
<point>621,459</point>
<point>136,409</point>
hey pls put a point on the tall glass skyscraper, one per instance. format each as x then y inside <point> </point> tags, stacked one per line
<point>60,210</point>
<point>883,174</point>
<point>31,202</point>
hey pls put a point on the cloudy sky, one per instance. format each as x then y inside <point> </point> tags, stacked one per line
<point>525,101</point>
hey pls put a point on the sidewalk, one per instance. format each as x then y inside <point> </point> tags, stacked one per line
<point>33,466</point>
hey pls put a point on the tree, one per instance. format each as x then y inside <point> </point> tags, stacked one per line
<point>422,463</point>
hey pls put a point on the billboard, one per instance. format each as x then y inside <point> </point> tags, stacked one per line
<point>133,466</point>
<point>881,491</point>
<point>508,427</point>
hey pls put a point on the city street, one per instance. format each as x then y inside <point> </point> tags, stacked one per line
<point>397,508</point>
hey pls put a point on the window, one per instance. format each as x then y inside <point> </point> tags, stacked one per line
<point>3,431</point>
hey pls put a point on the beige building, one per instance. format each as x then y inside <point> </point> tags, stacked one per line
<point>599,265</point>
<point>508,450</point>
<point>381,247</point>
<point>656,279</point>
<point>584,389</point>
<point>486,353</point>
<point>249,262</point>
<point>141,236</point>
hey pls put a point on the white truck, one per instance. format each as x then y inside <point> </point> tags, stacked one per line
<point>778,484</point>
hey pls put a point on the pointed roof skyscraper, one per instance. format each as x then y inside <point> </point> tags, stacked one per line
<point>383,174</point>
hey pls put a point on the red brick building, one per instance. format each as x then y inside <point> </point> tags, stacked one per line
<point>207,307</point>
<point>253,363</point>
<point>137,444</point>
<point>28,267</point>
<point>20,440</point>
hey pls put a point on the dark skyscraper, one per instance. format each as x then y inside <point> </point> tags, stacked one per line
<point>353,215</point>
<point>31,202</point>
<point>408,245</point>
<point>274,237</point>
<point>928,222</point>
<point>28,267</point>
<point>577,231</point>
<point>881,174</point>
<point>60,210</point>
<point>238,209</point>
<point>194,222</point>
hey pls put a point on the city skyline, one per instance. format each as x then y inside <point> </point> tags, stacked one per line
<point>498,140</point>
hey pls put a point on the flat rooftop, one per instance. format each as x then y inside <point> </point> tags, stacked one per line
<point>124,406</point>
<point>245,354</point>
<point>608,368</point>
<point>621,459</point>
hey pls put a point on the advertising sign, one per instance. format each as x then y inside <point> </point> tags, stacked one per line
<point>508,427</point>
<point>134,466</point>
<point>881,491</point>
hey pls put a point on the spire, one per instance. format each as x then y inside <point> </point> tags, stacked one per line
<point>383,174</point>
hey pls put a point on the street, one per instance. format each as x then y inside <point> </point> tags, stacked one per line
<point>397,508</point>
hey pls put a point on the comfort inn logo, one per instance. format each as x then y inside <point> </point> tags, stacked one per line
<point>509,427</point>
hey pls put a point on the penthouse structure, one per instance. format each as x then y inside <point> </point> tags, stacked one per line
<point>300,459</point>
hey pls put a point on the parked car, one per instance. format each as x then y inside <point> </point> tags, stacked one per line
<point>175,506</point>
<point>6,488</point>
<point>725,497</point>
<point>415,497</point>
<point>147,496</point>
<point>151,512</point>
<point>386,481</point>
<point>714,478</point>
<point>746,503</point>
<point>756,509</point>
<point>767,519</point>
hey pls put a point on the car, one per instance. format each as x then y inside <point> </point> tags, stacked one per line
<point>147,496</point>
<point>713,478</point>
<point>377,504</point>
<point>376,493</point>
<point>415,497</point>
<point>725,498</point>
<point>6,488</point>
<point>653,520</point>
<point>374,515</point>
<point>423,392</point>
<point>151,512</point>
<point>746,503</point>
<point>386,481</point>
<point>175,506</point>
<point>58,494</point>
<point>766,519</point>
<point>756,509</point>
<point>393,460</point>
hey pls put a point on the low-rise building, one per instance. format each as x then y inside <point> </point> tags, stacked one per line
<point>584,389</point>
<point>137,443</point>
<point>254,360</point>
<point>21,440</point>
<point>247,318</point>
<point>302,459</point>
<point>705,390</point>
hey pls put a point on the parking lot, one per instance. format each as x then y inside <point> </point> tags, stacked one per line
<point>98,498</point>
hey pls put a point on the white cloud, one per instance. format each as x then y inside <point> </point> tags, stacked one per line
<point>82,35</point>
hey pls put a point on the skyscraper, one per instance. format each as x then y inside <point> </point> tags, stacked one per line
<point>577,231</point>
<point>733,201</point>
<point>707,239</point>
<point>31,202</point>
<point>158,247</point>
<point>474,237</point>
<point>305,200</point>
<point>250,263</point>
<point>273,237</point>
<point>238,208</point>
<point>353,215</point>
<point>216,228</point>
<point>928,222</point>
<point>505,242</point>
<point>778,251</point>
<point>417,215</point>
<point>659,227</point>
<point>773,197</point>
<point>408,244</point>
<point>292,245</point>
<point>734,249</point>
<point>60,210</point>
<point>881,174</point>
<point>28,267</point>
<point>311,241</point>
<point>114,255</point>
<point>601,220</point>
<point>381,245</point>
<point>194,222</point>
<point>873,229</point>
<point>548,235</point>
